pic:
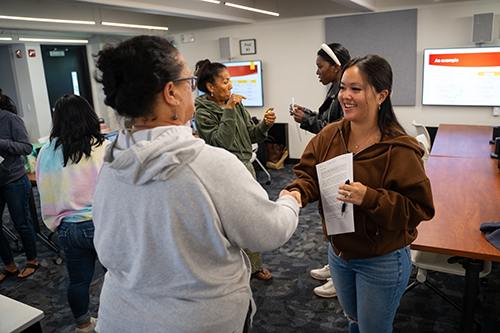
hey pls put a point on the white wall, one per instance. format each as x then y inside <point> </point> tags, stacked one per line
<point>7,83</point>
<point>288,50</point>
<point>31,90</point>
<point>449,26</point>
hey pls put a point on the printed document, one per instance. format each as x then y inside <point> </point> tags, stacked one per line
<point>331,174</point>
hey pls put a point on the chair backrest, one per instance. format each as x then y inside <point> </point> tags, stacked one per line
<point>425,145</point>
<point>255,146</point>
<point>422,130</point>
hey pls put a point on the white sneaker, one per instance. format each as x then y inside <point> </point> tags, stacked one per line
<point>88,329</point>
<point>321,273</point>
<point>327,290</point>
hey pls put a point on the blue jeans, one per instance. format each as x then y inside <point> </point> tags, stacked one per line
<point>16,195</point>
<point>369,290</point>
<point>77,241</point>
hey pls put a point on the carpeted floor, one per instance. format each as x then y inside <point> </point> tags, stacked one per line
<point>286,304</point>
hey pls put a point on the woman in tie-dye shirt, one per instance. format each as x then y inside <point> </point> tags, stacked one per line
<point>67,169</point>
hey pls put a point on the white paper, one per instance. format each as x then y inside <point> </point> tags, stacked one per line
<point>331,174</point>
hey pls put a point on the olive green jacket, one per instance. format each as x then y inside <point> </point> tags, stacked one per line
<point>232,130</point>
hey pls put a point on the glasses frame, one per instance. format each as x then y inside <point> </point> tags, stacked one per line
<point>192,80</point>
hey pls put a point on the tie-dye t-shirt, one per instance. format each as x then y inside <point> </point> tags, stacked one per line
<point>66,192</point>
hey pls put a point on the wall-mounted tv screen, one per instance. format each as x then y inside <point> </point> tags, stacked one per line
<point>246,77</point>
<point>462,76</point>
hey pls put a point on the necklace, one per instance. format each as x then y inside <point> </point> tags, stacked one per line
<point>365,143</point>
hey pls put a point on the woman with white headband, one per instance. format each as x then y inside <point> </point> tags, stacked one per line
<point>330,60</point>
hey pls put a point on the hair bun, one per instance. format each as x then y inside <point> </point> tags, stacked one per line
<point>200,64</point>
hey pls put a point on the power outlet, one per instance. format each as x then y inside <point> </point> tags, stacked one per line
<point>496,111</point>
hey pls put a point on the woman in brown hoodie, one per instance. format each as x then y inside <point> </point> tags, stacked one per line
<point>390,193</point>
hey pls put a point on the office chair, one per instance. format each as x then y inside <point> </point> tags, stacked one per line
<point>428,261</point>
<point>425,145</point>
<point>421,129</point>
<point>254,158</point>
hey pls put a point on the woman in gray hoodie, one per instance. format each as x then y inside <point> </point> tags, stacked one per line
<point>172,213</point>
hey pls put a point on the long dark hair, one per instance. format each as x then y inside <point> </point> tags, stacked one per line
<point>135,71</point>
<point>75,127</point>
<point>377,71</point>
<point>206,72</point>
<point>6,103</point>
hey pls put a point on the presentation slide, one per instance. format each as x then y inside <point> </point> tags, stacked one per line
<point>462,76</point>
<point>246,77</point>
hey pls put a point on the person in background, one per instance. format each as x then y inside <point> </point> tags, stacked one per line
<point>172,213</point>
<point>390,194</point>
<point>222,121</point>
<point>330,60</point>
<point>15,190</point>
<point>66,173</point>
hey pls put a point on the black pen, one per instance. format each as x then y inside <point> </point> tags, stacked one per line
<point>344,204</point>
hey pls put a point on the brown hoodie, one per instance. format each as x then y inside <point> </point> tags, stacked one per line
<point>398,197</point>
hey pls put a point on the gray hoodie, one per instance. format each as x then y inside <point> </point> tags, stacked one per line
<point>171,216</point>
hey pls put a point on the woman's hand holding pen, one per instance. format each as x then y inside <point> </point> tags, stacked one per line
<point>352,193</point>
<point>297,112</point>
<point>233,100</point>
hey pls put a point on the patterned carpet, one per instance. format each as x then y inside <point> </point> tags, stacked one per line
<point>286,304</point>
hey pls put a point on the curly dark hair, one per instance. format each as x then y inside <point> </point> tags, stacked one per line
<point>75,127</point>
<point>135,71</point>
<point>6,103</point>
<point>378,72</point>
<point>206,72</point>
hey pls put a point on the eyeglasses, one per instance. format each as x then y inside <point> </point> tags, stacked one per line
<point>192,81</point>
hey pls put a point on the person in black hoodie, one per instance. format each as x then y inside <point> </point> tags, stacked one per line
<point>330,60</point>
<point>15,189</point>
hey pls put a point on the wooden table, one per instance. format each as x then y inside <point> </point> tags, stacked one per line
<point>463,141</point>
<point>18,317</point>
<point>466,189</point>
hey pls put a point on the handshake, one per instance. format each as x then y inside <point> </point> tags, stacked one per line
<point>294,194</point>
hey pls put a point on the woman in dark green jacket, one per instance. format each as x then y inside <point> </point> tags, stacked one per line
<point>223,121</point>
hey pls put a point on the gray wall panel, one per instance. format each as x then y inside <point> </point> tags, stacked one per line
<point>392,35</point>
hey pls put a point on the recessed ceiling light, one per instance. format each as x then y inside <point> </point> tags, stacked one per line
<point>53,40</point>
<point>136,26</point>
<point>230,4</point>
<point>48,20</point>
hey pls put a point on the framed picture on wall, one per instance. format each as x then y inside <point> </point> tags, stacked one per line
<point>248,46</point>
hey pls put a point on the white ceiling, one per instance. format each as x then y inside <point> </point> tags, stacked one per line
<point>178,15</point>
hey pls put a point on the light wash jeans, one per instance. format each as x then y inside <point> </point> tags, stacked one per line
<point>369,290</point>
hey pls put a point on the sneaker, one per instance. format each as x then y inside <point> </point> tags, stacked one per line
<point>327,290</point>
<point>321,273</point>
<point>88,329</point>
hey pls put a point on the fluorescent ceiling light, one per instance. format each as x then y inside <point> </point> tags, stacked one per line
<point>230,4</point>
<point>49,20</point>
<point>51,40</point>
<point>5,38</point>
<point>212,1</point>
<point>137,26</point>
